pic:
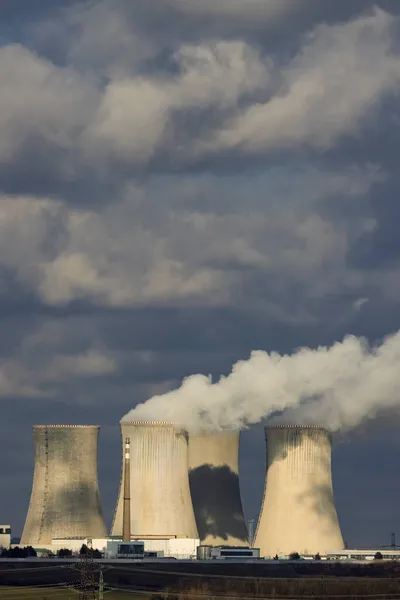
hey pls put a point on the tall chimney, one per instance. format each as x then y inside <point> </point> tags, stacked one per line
<point>126,519</point>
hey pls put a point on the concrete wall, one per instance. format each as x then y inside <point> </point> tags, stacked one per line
<point>65,499</point>
<point>160,495</point>
<point>214,486</point>
<point>298,512</point>
<point>183,548</point>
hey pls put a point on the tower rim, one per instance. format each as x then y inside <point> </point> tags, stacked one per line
<point>66,426</point>
<point>152,423</point>
<point>316,427</point>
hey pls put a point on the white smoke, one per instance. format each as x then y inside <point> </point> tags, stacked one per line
<point>338,387</point>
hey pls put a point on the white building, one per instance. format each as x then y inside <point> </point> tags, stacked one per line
<point>5,536</point>
<point>172,547</point>
<point>364,554</point>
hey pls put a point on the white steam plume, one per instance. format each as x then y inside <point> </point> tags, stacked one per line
<point>338,387</point>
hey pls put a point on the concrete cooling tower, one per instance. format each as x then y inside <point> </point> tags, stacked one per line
<point>65,500</point>
<point>298,512</point>
<point>214,486</point>
<point>160,496</point>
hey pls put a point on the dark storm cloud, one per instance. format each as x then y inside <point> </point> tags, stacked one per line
<point>380,249</point>
<point>23,10</point>
<point>220,105</point>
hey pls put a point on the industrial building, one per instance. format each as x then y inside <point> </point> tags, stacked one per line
<point>179,496</point>
<point>65,500</point>
<point>5,536</point>
<point>214,487</point>
<point>110,547</point>
<point>364,554</point>
<point>298,511</point>
<point>160,502</point>
<point>227,553</point>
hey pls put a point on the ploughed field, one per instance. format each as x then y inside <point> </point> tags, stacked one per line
<point>191,580</point>
<point>59,593</point>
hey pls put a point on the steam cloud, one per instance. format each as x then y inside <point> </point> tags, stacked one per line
<point>338,387</point>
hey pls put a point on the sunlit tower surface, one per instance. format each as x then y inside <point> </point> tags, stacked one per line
<point>160,504</point>
<point>65,499</point>
<point>298,512</point>
<point>214,486</point>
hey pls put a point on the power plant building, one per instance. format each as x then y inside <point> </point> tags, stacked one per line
<point>5,536</point>
<point>65,499</point>
<point>161,505</point>
<point>215,491</point>
<point>298,512</point>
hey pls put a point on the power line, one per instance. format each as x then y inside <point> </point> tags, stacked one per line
<point>87,586</point>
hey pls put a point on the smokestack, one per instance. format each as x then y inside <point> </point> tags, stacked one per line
<point>214,486</point>
<point>126,524</point>
<point>161,505</point>
<point>65,500</point>
<point>298,512</point>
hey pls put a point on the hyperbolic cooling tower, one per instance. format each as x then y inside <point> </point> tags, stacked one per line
<point>298,513</point>
<point>214,486</point>
<point>65,500</point>
<point>160,496</point>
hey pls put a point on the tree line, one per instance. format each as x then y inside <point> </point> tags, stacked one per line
<point>29,552</point>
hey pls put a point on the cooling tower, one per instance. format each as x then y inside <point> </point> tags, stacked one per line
<point>214,486</point>
<point>160,496</point>
<point>65,500</point>
<point>298,512</point>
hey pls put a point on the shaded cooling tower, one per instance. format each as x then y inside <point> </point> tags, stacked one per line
<point>214,486</point>
<point>65,500</point>
<point>160,497</point>
<point>298,512</point>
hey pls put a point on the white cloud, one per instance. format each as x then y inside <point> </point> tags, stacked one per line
<point>341,73</point>
<point>145,249</point>
<point>139,250</point>
<point>44,373</point>
<point>135,113</point>
<point>88,364</point>
<point>40,102</point>
<point>53,357</point>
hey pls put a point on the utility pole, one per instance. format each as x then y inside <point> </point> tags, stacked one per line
<point>87,587</point>
<point>101,585</point>
<point>393,540</point>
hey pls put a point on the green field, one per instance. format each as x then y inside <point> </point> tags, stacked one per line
<point>37,593</point>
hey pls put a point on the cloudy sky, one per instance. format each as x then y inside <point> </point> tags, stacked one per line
<point>182,181</point>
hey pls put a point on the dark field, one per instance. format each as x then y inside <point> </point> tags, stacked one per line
<point>21,593</point>
<point>188,580</point>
